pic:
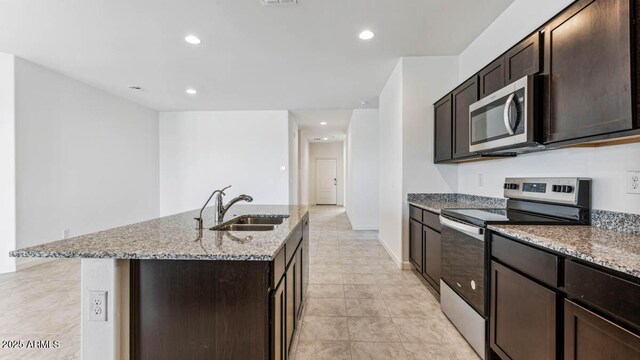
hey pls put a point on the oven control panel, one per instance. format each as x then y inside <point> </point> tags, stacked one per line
<point>563,190</point>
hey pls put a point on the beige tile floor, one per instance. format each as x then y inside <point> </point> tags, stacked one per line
<point>359,306</point>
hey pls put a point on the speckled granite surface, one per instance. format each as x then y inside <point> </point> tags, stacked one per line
<point>617,250</point>
<point>615,220</point>
<point>438,201</point>
<point>175,237</point>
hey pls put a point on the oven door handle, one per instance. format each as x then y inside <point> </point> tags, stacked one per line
<point>473,231</point>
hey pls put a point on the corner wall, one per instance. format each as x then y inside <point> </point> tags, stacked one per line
<point>7,163</point>
<point>86,160</point>
<point>361,200</point>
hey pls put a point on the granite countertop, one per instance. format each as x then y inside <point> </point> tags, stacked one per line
<point>613,249</point>
<point>438,201</point>
<point>176,237</point>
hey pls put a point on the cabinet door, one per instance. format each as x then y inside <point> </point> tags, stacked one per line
<point>523,316</point>
<point>588,87</point>
<point>442,129</point>
<point>523,59</point>
<point>278,343</point>
<point>415,244</point>
<point>298,282</point>
<point>463,96</point>
<point>432,255</point>
<point>290,306</point>
<point>492,77</point>
<point>588,336</point>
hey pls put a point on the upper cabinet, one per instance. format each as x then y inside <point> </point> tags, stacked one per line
<point>442,129</point>
<point>523,59</point>
<point>588,60</point>
<point>463,96</point>
<point>588,84</point>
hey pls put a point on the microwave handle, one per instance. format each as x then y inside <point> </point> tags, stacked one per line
<point>507,121</point>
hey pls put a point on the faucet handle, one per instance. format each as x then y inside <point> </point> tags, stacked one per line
<point>222,191</point>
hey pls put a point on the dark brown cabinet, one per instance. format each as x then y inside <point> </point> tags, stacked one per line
<point>415,244</point>
<point>463,96</point>
<point>432,255</point>
<point>299,282</point>
<point>290,307</point>
<point>588,84</point>
<point>589,336</point>
<point>523,316</point>
<point>492,77</point>
<point>523,59</point>
<point>442,129</point>
<point>425,245</point>
<point>278,325</point>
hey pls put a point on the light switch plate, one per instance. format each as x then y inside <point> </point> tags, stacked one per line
<point>633,182</point>
<point>97,305</point>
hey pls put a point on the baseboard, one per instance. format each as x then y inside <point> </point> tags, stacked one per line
<point>399,263</point>
<point>364,227</point>
<point>406,265</point>
<point>25,263</point>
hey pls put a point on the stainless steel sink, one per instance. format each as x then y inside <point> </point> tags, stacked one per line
<point>244,227</point>
<point>271,220</point>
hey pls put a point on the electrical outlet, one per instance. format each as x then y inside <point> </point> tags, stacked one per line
<point>480,180</point>
<point>98,305</point>
<point>66,234</point>
<point>633,182</point>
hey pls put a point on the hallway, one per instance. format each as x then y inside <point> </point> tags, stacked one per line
<point>361,306</point>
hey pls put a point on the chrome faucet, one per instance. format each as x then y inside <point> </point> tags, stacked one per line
<point>222,209</point>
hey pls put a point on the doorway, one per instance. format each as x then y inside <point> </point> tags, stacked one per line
<point>326,181</point>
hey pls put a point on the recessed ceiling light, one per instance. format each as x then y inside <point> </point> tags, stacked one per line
<point>191,91</point>
<point>325,139</point>
<point>192,39</point>
<point>366,35</point>
<point>364,102</point>
<point>323,123</point>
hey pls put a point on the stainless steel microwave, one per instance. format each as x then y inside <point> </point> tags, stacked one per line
<point>505,121</point>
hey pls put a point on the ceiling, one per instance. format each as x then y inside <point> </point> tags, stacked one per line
<point>335,130</point>
<point>252,57</point>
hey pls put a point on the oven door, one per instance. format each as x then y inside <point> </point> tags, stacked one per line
<point>502,119</point>
<point>463,261</point>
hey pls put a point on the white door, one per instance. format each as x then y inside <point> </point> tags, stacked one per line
<point>326,181</point>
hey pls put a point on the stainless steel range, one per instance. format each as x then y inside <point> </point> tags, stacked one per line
<point>464,280</point>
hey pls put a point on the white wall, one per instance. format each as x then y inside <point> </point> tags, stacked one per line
<point>86,160</point>
<point>206,150</point>
<point>390,164</point>
<point>329,150</point>
<point>7,163</point>
<point>606,165</point>
<point>361,195</point>
<point>304,168</point>
<point>294,151</point>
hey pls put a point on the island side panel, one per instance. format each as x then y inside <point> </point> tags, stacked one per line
<point>199,309</point>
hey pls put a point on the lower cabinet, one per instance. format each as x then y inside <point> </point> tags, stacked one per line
<point>289,295</point>
<point>589,336</point>
<point>278,326</point>
<point>432,255</point>
<point>523,316</point>
<point>415,244</point>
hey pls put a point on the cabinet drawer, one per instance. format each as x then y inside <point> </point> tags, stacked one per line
<point>293,241</point>
<point>432,220</point>
<point>415,213</point>
<point>540,265</point>
<point>610,293</point>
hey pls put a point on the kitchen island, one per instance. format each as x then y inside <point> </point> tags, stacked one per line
<point>172,291</point>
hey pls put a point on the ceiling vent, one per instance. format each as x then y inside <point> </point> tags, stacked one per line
<point>317,139</point>
<point>278,2</point>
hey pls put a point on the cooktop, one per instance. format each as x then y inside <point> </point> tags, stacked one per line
<point>483,217</point>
